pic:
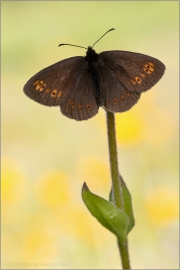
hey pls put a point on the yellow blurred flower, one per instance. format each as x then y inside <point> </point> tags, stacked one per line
<point>13,184</point>
<point>162,205</point>
<point>39,239</point>
<point>129,127</point>
<point>53,189</point>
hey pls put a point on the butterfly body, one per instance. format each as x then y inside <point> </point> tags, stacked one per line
<point>80,85</point>
<point>92,60</point>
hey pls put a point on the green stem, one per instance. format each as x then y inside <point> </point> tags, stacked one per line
<point>123,249</point>
<point>116,184</point>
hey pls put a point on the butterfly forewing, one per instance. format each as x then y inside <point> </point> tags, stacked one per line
<point>124,75</point>
<point>137,72</point>
<point>49,86</point>
<point>67,84</point>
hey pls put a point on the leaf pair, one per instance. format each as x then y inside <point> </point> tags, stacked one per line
<point>116,220</point>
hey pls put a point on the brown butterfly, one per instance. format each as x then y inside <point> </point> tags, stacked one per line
<point>80,85</point>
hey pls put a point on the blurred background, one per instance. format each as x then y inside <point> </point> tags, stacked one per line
<point>46,157</point>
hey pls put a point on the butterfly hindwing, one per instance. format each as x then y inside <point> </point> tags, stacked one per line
<point>116,98</point>
<point>81,103</point>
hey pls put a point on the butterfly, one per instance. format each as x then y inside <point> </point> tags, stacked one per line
<point>80,85</point>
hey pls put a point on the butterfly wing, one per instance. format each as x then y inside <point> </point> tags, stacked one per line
<point>80,103</point>
<point>124,76</point>
<point>66,84</point>
<point>48,86</point>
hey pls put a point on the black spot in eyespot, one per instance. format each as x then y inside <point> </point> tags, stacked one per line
<point>115,101</point>
<point>122,97</point>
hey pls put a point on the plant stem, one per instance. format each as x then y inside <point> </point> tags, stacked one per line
<point>116,184</point>
<point>123,249</point>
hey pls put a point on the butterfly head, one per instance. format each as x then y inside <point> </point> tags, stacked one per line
<point>91,55</point>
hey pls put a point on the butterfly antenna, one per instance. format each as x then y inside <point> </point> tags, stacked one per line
<point>103,36</point>
<point>71,45</point>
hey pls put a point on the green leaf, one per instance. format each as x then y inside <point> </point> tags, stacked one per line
<point>127,203</point>
<point>110,216</point>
